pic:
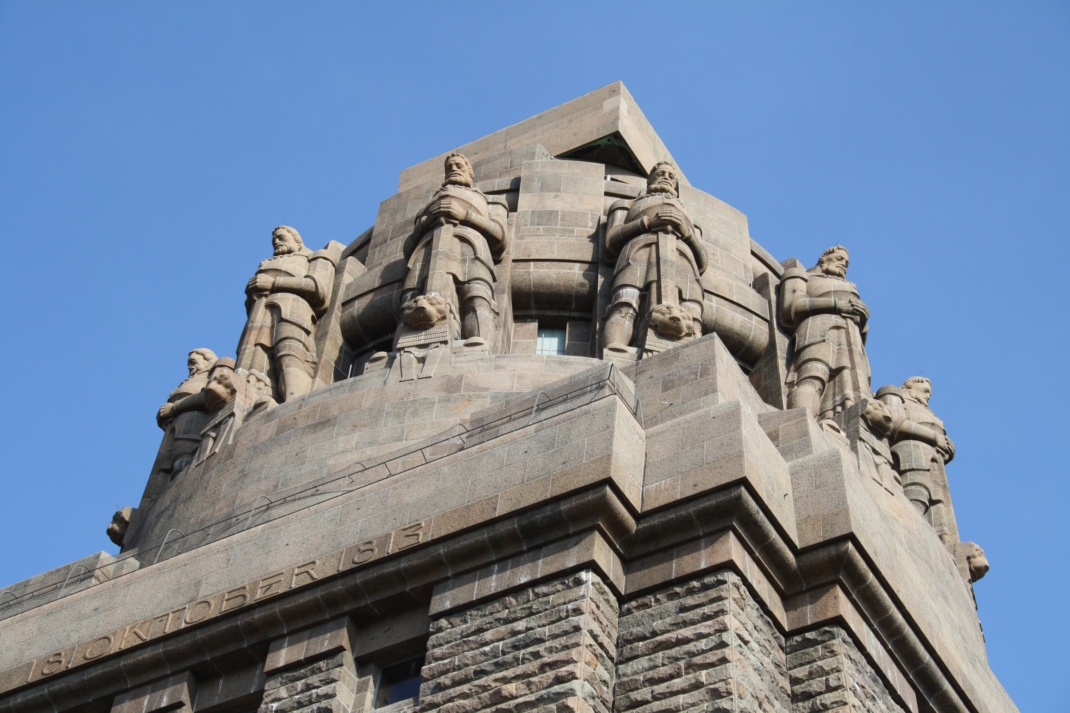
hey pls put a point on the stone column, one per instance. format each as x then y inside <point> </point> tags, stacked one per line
<point>311,670</point>
<point>170,694</point>
<point>701,643</point>
<point>551,645</point>
<point>829,673</point>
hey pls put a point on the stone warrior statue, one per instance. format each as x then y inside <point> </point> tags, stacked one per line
<point>830,370</point>
<point>452,249</point>
<point>287,295</point>
<point>922,449</point>
<point>182,418</point>
<point>659,256</point>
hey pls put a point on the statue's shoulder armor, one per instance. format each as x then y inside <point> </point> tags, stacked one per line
<point>797,272</point>
<point>325,254</point>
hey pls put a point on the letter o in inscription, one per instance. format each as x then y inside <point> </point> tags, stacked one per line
<point>193,614</point>
<point>98,647</point>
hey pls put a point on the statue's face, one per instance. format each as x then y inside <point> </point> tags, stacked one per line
<point>424,311</point>
<point>662,180</point>
<point>922,391</point>
<point>117,529</point>
<point>283,242</point>
<point>978,563</point>
<point>458,172</point>
<point>671,321</point>
<point>834,264</point>
<point>196,362</point>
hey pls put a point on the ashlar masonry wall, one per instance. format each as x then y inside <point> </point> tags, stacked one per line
<point>549,647</point>
<point>704,644</point>
<point>828,673</point>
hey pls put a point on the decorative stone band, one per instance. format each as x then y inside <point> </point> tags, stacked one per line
<point>824,585</point>
<point>579,512</point>
<point>202,610</point>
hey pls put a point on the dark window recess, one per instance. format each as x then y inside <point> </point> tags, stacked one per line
<point>550,341</point>
<point>399,682</point>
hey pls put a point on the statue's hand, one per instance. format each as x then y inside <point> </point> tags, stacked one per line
<point>670,216</point>
<point>260,284</point>
<point>447,207</point>
<point>164,414</point>
<point>852,308</point>
<point>859,309</point>
<point>946,448</point>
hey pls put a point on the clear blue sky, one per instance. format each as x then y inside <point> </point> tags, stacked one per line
<point>148,149</point>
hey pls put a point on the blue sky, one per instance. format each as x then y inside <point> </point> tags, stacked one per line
<point>148,150</point>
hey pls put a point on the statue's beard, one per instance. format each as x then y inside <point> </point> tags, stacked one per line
<point>283,249</point>
<point>662,187</point>
<point>459,179</point>
<point>834,272</point>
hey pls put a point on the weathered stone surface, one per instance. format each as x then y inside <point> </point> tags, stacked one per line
<point>702,643</point>
<point>553,644</point>
<point>174,693</point>
<point>828,673</point>
<point>327,685</point>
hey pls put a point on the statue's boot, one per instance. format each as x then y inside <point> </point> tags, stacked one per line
<point>620,327</point>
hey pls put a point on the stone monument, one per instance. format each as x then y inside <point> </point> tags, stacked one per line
<point>830,370</point>
<point>286,296</point>
<point>922,449</point>
<point>533,441</point>
<point>659,258</point>
<point>452,248</point>
<point>183,417</point>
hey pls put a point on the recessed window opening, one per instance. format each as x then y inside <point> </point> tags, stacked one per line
<point>399,682</point>
<point>550,341</point>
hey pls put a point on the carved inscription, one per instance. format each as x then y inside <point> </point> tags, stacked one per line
<point>409,536</point>
<point>208,608</point>
<point>135,634</point>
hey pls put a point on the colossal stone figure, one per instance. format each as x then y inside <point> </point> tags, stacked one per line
<point>452,249</point>
<point>289,292</point>
<point>182,424</point>
<point>830,370</point>
<point>922,449</point>
<point>659,256</point>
